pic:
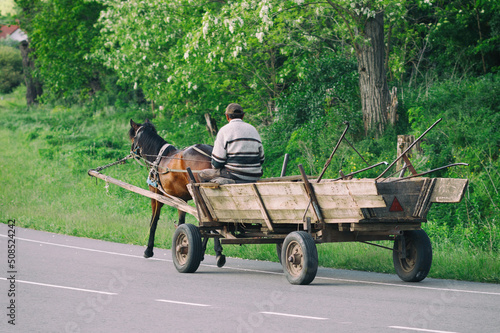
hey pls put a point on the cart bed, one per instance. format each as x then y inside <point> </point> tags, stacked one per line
<point>341,201</point>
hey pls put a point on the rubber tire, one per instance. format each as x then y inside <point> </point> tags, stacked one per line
<point>302,243</point>
<point>418,261</point>
<point>190,235</point>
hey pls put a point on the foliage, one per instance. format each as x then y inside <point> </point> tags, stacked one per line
<point>316,106</point>
<point>466,36</point>
<point>9,42</point>
<point>10,68</point>
<point>64,142</point>
<point>62,34</point>
<point>291,64</point>
<point>151,61</point>
<point>468,133</point>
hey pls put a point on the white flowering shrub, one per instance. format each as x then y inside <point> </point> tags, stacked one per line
<point>198,55</point>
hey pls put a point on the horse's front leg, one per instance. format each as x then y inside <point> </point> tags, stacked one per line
<point>156,208</point>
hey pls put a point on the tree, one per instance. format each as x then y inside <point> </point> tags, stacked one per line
<point>62,34</point>
<point>172,69</point>
<point>28,8</point>
<point>309,24</point>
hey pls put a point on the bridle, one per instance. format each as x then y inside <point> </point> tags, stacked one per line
<point>136,150</point>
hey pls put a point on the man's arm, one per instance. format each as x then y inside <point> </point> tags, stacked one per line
<point>219,155</point>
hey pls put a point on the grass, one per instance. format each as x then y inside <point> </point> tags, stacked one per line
<point>46,152</point>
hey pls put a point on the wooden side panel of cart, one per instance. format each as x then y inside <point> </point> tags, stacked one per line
<point>343,201</point>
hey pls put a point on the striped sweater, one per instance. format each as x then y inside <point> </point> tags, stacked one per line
<point>238,148</point>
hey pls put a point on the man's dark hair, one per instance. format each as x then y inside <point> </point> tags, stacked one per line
<point>234,111</point>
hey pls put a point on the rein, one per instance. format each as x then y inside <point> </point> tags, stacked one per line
<point>122,161</point>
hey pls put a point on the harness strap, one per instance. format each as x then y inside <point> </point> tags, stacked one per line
<point>158,158</point>
<point>153,173</point>
<point>167,170</point>
<point>201,151</point>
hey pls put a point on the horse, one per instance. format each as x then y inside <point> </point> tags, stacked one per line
<point>171,176</point>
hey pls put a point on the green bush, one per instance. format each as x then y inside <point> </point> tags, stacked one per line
<point>469,133</point>
<point>311,112</point>
<point>11,68</point>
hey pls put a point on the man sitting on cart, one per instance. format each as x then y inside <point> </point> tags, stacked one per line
<point>238,154</point>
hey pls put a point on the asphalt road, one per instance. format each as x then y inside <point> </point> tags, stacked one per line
<point>69,284</point>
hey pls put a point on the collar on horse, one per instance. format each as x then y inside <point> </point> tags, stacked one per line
<point>153,178</point>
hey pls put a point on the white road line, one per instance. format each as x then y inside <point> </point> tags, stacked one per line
<point>182,303</point>
<point>292,315</point>
<point>85,249</point>
<point>419,329</point>
<point>247,270</point>
<point>62,287</point>
<point>412,286</point>
<point>268,272</point>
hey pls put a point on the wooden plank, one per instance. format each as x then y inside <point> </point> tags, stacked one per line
<point>283,179</point>
<point>343,214</point>
<point>285,202</point>
<point>280,222</point>
<point>280,189</point>
<point>229,191</point>
<point>423,204</point>
<point>263,209</point>
<point>410,186</point>
<point>389,227</point>
<point>312,196</point>
<point>233,203</point>
<point>369,201</point>
<point>208,204</point>
<point>200,203</point>
<point>449,190</point>
<point>335,202</point>
<point>334,216</point>
<point>168,200</point>
<point>339,188</point>
<point>287,216</point>
<point>256,215</point>
<point>409,165</point>
<point>346,187</point>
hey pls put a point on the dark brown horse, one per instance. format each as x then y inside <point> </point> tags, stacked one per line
<point>172,175</point>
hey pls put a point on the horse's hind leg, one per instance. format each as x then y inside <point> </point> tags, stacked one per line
<point>182,217</point>
<point>220,258</point>
<point>156,208</point>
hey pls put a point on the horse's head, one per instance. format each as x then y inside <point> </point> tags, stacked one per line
<point>145,139</point>
<point>135,133</point>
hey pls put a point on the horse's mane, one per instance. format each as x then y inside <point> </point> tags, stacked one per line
<point>150,142</point>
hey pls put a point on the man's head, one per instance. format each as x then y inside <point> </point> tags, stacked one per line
<point>234,111</point>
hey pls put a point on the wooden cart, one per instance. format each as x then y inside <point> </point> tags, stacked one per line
<point>296,215</point>
<point>297,212</point>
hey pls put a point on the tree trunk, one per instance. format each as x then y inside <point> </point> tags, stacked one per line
<point>372,76</point>
<point>211,125</point>
<point>33,86</point>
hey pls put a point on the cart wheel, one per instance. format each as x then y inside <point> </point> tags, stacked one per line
<point>299,258</point>
<point>417,264</point>
<point>279,248</point>
<point>187,248</point>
